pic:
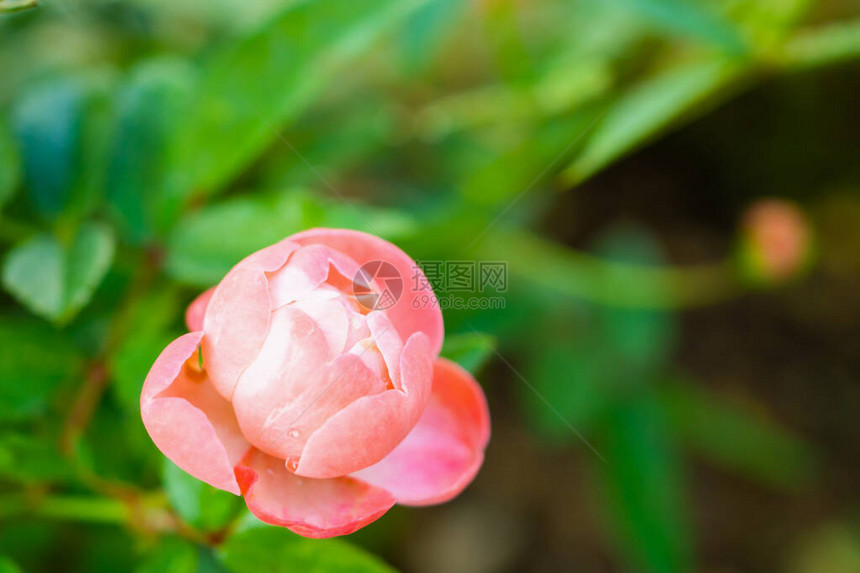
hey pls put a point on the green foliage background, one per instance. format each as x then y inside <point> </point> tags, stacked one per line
<point>146,146</point>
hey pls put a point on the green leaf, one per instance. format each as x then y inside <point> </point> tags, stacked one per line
<point>249,90</point>
<point>26,458</point>
<point>206,244</point>
<point>471,350</point>
<point>425,30</point>
<point>198,503</point>
<point>649,108</point>
<point>34,360</point>
<point>56,280</point>
<point>148,104</point>
<point>277,550</point>
<point>642,488</point>
<point>47,121</point>
<point>10,170</point>
<point>737,436</point>
<point>692,18</point>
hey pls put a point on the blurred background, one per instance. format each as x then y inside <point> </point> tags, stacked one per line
<point>672,185</point>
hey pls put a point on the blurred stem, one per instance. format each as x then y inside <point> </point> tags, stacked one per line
<point>147,513</point>
<point>822,46</point>
<point>76,508</point>
<point>609,282</point>
<point>9,6</point>
<point>98,376</point>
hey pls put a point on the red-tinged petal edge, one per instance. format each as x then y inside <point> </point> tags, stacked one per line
<point>188,420</point>
<point>315,508</point>
<point>445,450</point>
<point>408,314</point>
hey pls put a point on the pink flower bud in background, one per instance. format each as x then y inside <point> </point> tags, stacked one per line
<point>312,385</point>
<point>776,240</point>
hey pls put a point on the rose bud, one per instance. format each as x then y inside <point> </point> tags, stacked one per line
<point>311,384</point>
<point>775,241</point>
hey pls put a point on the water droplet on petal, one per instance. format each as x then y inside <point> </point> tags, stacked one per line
<point>294,433</point>
<point>292,464</point>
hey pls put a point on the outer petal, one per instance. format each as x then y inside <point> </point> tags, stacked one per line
<point>188,420</point>
<point>197,310</point>
<point>444,451</point>
<point>370,427</point>
<point>309,507</point>
<point>237,318</point>
<point>363,248</point>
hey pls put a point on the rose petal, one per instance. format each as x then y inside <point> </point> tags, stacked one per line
<point>197,310</point>
<point>237,318</point>
<point>444,451</point>
<point>370,427</point>
<point>408,314</point>
<point>188,420</point>
<point>309,507</point>
<point>293,386</point>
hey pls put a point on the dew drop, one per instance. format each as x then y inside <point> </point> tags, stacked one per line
<point>294,433</point>
<point>292,464</point>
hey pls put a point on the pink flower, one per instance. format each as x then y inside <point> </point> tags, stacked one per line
<point>321,412</point>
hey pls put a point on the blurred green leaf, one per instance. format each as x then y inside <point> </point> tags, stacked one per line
<point>575,352</point>
<point>6,564</point>
<point>570,372</point>
<point>61,126</point>
<point>693,18</point>
<point>649,108</point>
<point>148,104</point>
<point>252,88</point>
<point>27,458</point>
<point>425,30</point>
<point>153,317</point>
<point>642,487</point>
<point>276,550</point>
<point>737,437</point>
<point>114,428</point>
<point>34,360</point>
<point>48,122</point>
<point>198,503</point>
<point>206,244</point>
<point>55,280</point>
<point>471,350</point>
<point>642,339</point>
<point>10,168</point>
<point>171,555</point>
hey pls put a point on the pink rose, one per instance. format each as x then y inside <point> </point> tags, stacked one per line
<point>323,412</point>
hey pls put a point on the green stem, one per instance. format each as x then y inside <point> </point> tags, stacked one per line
<point>822,46</point>
<point>611,283</point>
